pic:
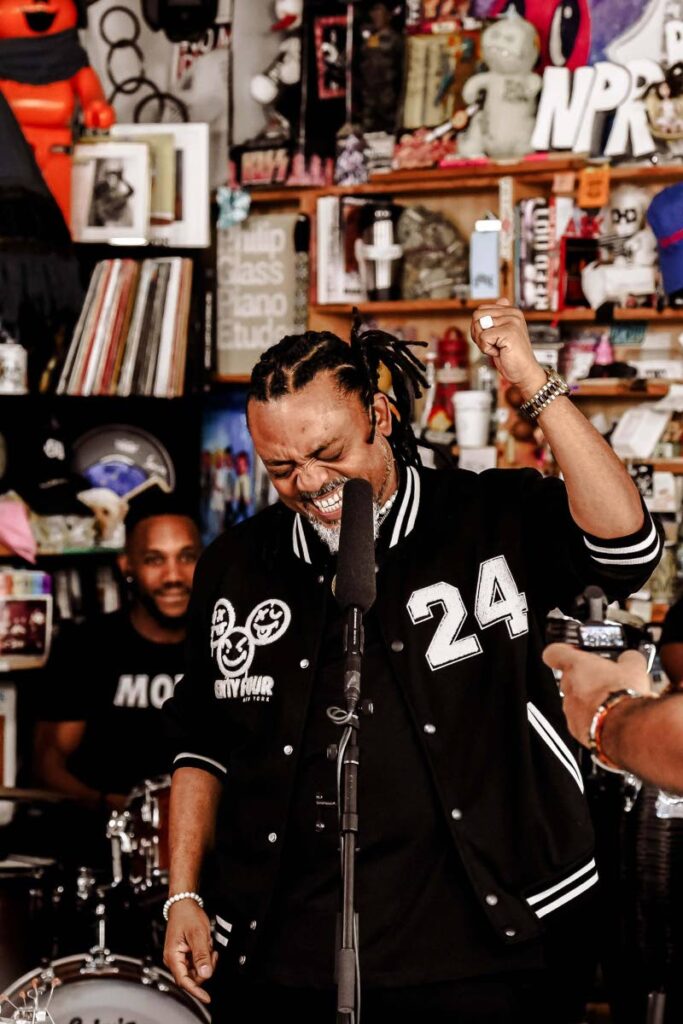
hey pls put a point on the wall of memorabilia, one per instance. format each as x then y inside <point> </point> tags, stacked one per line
<point>218,176</point>
<point>182,184</point>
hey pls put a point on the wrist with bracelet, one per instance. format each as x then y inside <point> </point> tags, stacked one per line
<point>189,895</point>
<point>554,387</point>
<point>596,728</point>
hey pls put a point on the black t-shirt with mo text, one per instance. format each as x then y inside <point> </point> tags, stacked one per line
<point>104,673</point>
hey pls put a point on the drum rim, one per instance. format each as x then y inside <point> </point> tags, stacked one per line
<point>153,784</point>
<point>176,991</point>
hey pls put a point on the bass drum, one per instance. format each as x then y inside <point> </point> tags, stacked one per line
<point>88,990</point>
<point>27,889</point>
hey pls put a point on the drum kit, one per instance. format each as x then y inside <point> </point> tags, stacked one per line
<point>38,904</point>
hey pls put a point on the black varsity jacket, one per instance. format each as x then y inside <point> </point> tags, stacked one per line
<point>469,566</point>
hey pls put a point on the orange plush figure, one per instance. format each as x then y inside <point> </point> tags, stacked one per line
<point>44,73</point>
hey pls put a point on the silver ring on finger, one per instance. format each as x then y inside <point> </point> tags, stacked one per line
<point>485,322</point>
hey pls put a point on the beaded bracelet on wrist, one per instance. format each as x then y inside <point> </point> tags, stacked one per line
<point>178,897</point>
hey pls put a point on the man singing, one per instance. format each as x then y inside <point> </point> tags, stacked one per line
<point>475,867</point>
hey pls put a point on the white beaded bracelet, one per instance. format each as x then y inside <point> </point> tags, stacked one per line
<point>177,898</point>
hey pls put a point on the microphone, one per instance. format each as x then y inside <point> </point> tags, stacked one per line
<point>356,559</point>
<point>355,586</point>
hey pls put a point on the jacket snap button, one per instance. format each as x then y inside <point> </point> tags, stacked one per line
<point>456,814</point>
<point>288,749</point>
<point>272,837</point>
<point>430,729</point>
<point>321,579</point>
<point>304,663</point>
<point>491,899</point>
<point>252,925</point>
<point>510,932</point>
<point>242,960</point>
<point>397,646</point>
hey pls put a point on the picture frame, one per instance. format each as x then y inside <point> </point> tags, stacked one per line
<point>162,175</point>
<point>330,48</point>
<point>110,194</point>
<point>190,229</point>
<point>25,631</point>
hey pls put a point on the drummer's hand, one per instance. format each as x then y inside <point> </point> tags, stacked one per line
<point>587,679</point>
<point>187,951</point>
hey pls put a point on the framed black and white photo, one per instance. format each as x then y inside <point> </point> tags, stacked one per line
<point>149,79</point>
<point>190,227</point>
<point>110,192</point>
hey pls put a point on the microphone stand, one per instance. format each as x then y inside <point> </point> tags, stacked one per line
<point>348,979</point>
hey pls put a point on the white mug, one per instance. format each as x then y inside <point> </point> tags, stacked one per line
<point>472,418</point>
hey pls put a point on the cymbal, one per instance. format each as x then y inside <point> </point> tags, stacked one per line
<point>37,796</point>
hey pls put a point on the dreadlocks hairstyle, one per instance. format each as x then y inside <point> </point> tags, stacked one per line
<point>298,358</point>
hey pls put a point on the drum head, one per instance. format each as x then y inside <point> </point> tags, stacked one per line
<point>121,991</point>
<point>110,999</point>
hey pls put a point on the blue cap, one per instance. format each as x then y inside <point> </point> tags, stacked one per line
<point>665,215</point>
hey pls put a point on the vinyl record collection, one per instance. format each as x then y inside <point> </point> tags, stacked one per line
<point>131,338</point>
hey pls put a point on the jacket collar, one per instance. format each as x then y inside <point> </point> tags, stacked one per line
<point>399,523</point>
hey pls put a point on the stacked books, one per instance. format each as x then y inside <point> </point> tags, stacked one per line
<point>540,227</point>
<point>131,336</point>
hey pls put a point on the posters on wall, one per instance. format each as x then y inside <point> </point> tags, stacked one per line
<point>594,30</point>
<point>233,481</point>
<point>149,79</point>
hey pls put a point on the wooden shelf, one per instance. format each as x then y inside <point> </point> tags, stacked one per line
<point>580,315</point>
<point>648,314</point>
<point>426,306</point>
<point>663,465</point>
<point>401,306</point>
<point>231,378</point>
<point>70,552</point>
<point>475,175</point>
<point>6,553</point>
<point>650,389</point>
<point>584,315</point>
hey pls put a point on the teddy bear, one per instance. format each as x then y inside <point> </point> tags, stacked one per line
<point>506,93</point>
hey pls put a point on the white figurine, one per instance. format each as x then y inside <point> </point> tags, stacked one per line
<point>628,251</point>
<point>505,123</point>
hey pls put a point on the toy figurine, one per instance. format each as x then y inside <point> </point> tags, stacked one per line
<point>44,73</point>
<point>564,28</point>
<point>664,107</point>
<point>625,270</point>
<point>504,125</point>
<point>381,70</point>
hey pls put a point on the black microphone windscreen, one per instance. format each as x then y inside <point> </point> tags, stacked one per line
<point>355,584</point>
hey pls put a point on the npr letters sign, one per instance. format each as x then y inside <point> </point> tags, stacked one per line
<point>573,107</point>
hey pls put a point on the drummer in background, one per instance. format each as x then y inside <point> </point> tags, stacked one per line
<point>100,732</point>
<point>671,645</point>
